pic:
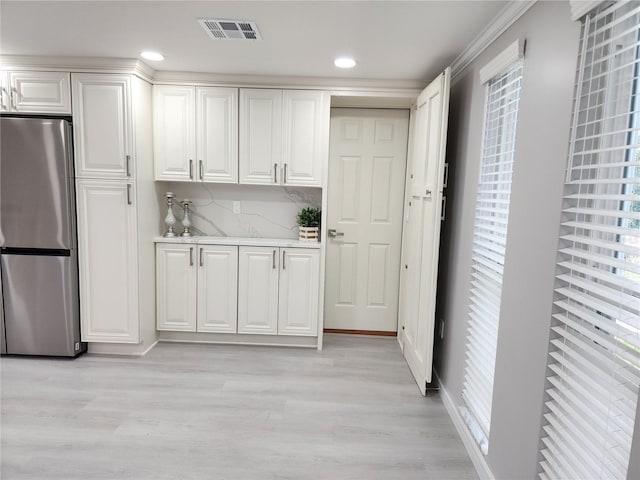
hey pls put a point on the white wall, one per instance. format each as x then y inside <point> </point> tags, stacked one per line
<point>541,152</point>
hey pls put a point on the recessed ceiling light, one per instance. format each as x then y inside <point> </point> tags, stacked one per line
<point>344,62</point>
<point>153,56</point>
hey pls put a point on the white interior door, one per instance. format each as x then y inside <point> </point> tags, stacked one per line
<point>367,162</point>
<point>422,230</point>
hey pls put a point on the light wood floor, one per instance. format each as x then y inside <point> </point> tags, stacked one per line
<point>185,411</point>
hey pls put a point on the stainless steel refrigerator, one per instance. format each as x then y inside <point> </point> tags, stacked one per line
<point>38,256</point>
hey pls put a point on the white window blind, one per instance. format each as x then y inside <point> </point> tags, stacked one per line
<point>489,242</point>
<point>593,369</point>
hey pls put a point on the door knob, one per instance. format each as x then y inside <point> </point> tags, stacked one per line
<point>333,233</point>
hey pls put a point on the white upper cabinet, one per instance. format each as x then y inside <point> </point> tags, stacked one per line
<point>260,136</point>
<point>195,133</point>
<point>176,287</point>
<point>36,92</point>
<point>217,288</point>
<point>107,254</point>
<point>304,140</point>
<point>283,137</point>
<point>103,126</point>
<point>217,134</point>
<point>298,291</point>
<point>258,290</point>
<point>174,132</point>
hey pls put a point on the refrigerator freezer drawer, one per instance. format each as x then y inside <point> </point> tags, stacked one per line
<point>41,312</point>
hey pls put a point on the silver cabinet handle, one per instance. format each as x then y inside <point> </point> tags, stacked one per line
<point>190,169</point>
<point>191,256</point>
<point>275,173</point>
<point>201,257</point>
<point>445,182</point>
<point>12,98</point>
<point>200,168</point>
<point>427,193</point>
<point>129,201</point>
<point>284,179</point>
<point>128,159</point>
<point>274,259</point>
<point>333,233</point>
<point>284,253</point>
<point>2,93</point>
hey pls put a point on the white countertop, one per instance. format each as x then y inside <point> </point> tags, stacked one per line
<point>248,241</point>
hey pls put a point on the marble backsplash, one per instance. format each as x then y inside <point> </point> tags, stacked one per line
<point>266,211</point>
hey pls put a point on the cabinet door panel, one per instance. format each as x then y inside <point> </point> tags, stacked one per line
<point>299,287</point>
<point>218,289</point>
<point>258,290</point>
<point>176,287</point>
<point>103,125</point>
<point>260,136</point>
<point>174,135</point>
<point>305,138</point>
<point>4,91</point>
<point>217,134</point>
<point>107,255</point>
<point>40,92</point>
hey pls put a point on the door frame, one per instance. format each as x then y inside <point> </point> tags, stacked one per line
<point>397,99</point>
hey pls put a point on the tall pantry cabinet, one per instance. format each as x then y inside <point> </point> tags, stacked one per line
<point>117,208</point>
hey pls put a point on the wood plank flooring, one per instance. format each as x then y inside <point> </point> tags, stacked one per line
<point>187,411</point>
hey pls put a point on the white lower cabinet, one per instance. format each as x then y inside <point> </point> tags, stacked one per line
<point>196,287</point>
<point>278,291</point>
<point>245,290</point>
<point>258,269</point>
<point>298,292</point>
<point>217,288</point>
<point>176,287</point>
<point>107,253</point>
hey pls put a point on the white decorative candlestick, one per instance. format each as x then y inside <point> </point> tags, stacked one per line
<point>170,219</point>
<point>186,221</point>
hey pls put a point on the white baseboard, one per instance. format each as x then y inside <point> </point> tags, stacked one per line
<point>134,350</point>
<point>477,458</point>
<point>239,339</point>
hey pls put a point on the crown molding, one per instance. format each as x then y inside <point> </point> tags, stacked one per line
<point>401,89</point>
<point>130,66</point>
<point>505,18</point>
<point>276,81</point>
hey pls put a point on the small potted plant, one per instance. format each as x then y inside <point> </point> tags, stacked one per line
<point>308,224</point>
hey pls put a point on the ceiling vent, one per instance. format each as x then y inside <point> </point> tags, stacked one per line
<point>230,29</point>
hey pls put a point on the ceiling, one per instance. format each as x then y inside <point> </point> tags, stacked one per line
<point>394,40</point>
